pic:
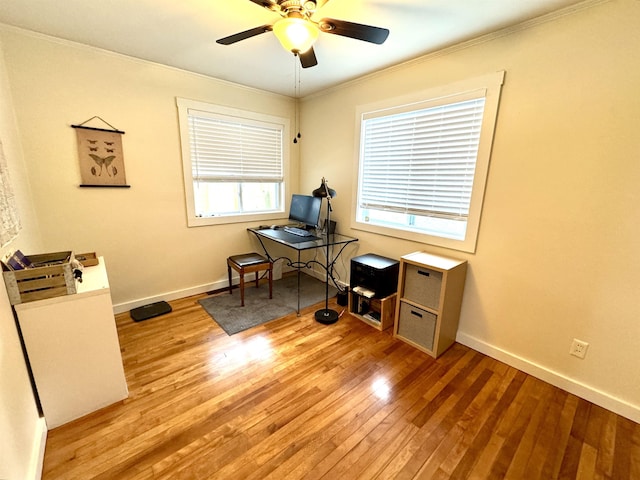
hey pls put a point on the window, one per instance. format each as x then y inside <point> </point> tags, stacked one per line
<point>234,162</point>
<point>423,163</point>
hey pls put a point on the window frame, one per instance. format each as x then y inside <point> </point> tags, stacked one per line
<point>184,106</point>
<point>488,86</point>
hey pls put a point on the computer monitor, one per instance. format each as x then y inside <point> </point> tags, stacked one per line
<point>305,210</point>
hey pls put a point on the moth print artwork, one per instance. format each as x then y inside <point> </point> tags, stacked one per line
<point>101,157</point>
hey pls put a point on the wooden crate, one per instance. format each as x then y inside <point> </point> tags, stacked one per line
<point>51,276</point>
<point>87,259</point>
<point>384,307</point>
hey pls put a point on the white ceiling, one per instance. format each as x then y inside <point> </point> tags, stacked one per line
<point>182,33</point>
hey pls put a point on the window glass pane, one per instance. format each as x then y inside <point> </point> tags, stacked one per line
<point>260,197</point>
<point>216,198</point>
<point>231,198</point>
<point>441,227</point>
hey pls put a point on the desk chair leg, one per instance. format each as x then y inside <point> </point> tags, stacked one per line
<point>241,288</point>
<point>230,284</point>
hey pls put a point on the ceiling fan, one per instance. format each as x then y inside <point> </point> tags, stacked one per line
<point>297,32</point>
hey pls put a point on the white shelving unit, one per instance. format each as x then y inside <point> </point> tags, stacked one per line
<point>430,292</point>
<point>73,349</point>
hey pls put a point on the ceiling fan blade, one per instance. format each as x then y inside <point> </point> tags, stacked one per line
<point>358,31</point>
<point>268,4</point>
<point>314,8</point>
<point>236,37</point>
<point>308,58</point>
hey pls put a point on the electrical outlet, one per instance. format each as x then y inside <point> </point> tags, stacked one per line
<point>578,348</point>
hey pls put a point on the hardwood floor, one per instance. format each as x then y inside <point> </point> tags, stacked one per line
<point>295,399</point>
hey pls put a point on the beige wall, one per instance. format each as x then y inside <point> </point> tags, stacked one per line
<point>23,432</point>
<point>141,231</point>
<point>558,249</point>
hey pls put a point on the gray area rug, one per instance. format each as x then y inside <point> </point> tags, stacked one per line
<point>225,309</point>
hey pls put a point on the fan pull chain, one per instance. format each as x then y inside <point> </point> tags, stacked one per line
<point>296,92</point>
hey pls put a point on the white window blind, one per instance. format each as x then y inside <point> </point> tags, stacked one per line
<point>229,150</point>
<point>422,162</point>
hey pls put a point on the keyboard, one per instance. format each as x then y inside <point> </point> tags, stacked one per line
<point>301,232</point>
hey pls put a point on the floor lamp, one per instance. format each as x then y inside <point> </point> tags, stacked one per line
<point>326,315</point>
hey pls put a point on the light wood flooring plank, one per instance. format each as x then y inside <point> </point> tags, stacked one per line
<point>295,399</point>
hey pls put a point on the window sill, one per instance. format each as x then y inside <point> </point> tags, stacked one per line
<point>230,219</point>
<point>468,245</point>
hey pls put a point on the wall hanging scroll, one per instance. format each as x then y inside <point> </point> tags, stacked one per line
<point>9,219</point>
<point>100,154</point>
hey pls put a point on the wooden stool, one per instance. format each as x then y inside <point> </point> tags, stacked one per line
<point>247,263</point>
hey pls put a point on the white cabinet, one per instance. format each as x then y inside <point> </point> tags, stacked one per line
<point>73,349</point>
<point>430,289</point>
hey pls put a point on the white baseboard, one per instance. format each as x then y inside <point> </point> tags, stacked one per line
<point>168,296</point>
<point>603,399</point>
<point>37,454</point>
<point>187,292</point>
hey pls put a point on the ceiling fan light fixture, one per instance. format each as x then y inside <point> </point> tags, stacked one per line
<point>296,34</point>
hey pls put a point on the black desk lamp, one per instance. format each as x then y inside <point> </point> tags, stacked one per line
<point>326,315</point>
